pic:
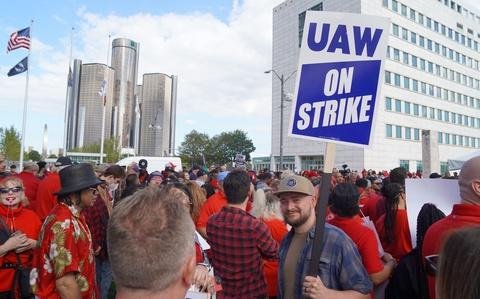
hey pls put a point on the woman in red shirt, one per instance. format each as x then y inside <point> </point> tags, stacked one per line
<point>19,230</point>
<point>392,227</point>
<point>267,208</point>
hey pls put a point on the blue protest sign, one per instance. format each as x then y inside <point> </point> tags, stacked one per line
<point>340,74</point>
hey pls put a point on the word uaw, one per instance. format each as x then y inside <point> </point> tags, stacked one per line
<point>335,112</point>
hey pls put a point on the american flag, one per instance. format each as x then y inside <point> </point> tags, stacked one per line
<point>19,39</point>
<point>103,91</point>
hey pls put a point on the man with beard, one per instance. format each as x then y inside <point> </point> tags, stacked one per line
<point>341,273</point>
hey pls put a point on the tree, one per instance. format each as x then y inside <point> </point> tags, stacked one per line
<point>10,143</point>
<point>193,148</point>
<point>34,156</point>
<point>228,144</point>
<point>52,156</point>
<point>220,149</point>
<point>110,149</point>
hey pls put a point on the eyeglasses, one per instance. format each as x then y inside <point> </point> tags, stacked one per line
<point>94,190</point>
<point>13,189</point>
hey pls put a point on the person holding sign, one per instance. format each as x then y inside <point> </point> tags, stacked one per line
<point>340,266</point>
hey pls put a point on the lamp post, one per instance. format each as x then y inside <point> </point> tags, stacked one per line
<point>282,100</point>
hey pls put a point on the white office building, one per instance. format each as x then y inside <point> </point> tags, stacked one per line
<point>431,82</point>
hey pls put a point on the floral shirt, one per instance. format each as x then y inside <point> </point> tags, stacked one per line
<point>65,246</point>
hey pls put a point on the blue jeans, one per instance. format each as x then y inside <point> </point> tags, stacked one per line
<point>104,276</point>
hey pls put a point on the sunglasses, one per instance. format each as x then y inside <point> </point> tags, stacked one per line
<point>13,189</point>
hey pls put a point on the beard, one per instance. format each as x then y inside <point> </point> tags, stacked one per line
<point>298,221</point>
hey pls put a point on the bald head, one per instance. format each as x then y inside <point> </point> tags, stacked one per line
<point>469,181</point>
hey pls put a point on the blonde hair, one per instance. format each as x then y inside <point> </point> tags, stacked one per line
<point>199,196</point>
<point>266,205</point>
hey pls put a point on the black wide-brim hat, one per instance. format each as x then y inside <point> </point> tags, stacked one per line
<point>77,178</point>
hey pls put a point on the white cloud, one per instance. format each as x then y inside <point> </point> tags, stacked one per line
<point>219,64</point>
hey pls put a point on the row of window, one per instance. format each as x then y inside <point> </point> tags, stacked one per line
<point>432,67</point>
<point>464,11</point>
<point>426,43</point>
<point>430,90</point>
<point>431,24</point>
<point>413,109</point>
<point>407,133</point>
<point>458,140</point>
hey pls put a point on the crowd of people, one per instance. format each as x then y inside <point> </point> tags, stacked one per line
<point>84,231</point>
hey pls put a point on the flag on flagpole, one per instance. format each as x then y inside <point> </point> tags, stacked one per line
<point>19,39</point>
<point>19,68</point>
<point>103,91</point>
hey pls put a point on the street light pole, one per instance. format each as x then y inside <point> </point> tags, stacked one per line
<point>282,83</point>
<point>282,106</point>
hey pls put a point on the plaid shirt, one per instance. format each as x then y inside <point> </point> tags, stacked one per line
<point>238,242</point>
<point>340,266</point>
<point>97,217</point>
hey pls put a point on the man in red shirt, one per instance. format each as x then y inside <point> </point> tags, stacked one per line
<point>466,213</point>
<point>46,198</point>
<point>344,204</point>
<point>30,181</point>
<point>239,241</point>
<point>212,206</point>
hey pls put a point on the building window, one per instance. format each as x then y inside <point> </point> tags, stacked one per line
<point>388,104</point>
<point>398,106</point>
<point>395,29</point>
<point>301,21</point>
<point>388,78</point>
<point>447,138</point>
<point>408,133</point>
<point>394,5</point>
<point>416,134</point>
<point>389,131</point>
<point>440,137</point>
<point>414,61</point>
<point>443,167</point>
<point>415,110</point>
<point>397,80</point>
<point>396,54</point>
<point>405,164</point>
<point>405,58</point>
<point>407,107</point>
<point>398,131</point>
<point>419,166</point>
<point>414,85</point>
<point>406,82</point>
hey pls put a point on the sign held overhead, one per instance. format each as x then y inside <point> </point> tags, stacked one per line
<point>340,75</point>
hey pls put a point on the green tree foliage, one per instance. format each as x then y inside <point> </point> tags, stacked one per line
<point>52,156</point>
<point>193,147</point>
<point>10,143</point>
<point>34,156</point>
<point>110,149</point>
<point>220,149</point>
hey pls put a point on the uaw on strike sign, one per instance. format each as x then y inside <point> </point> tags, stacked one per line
<point>340,74</point>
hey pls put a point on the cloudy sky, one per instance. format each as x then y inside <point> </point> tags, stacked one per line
<point>218,48</point>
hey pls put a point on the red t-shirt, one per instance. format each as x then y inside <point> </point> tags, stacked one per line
<point>23,220</point>
<point>270,268</point>
<point>46,200</point>
<point>463,215</point>
<point>65,247</point>
<point>401,231</point>
<point>365,240</point>
<point>211,206</point>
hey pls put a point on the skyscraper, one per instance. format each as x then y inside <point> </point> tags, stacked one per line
<point>157,96</point>
<point>85,105</point>
<point>125,63</point>
<point>431,82</point>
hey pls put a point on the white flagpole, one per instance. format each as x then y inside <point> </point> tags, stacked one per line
<point>104,110</point>
<point>69,88</point>
<point>25,101</point>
